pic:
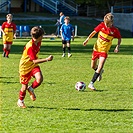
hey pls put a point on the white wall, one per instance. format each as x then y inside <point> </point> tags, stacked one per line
<point>124,21</point>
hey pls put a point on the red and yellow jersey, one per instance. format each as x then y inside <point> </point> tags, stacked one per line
<point>105,37</point>
<point>9,29</point>
<point>30,53</point>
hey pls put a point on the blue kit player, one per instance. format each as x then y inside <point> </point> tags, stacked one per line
<point>66,31</point>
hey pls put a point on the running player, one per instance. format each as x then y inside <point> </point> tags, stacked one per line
<point>29,67</point>
<point>8,29</point>
<point>106,32</point>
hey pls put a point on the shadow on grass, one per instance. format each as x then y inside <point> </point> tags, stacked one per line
<point>92,90</point>
<point>6,80</point>
<point>78,109</point>
<point>6,77</point>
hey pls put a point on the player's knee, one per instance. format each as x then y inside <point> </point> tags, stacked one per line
<point>98,70</point>
<point>24,88</point>
<point>39,79</point>
<point>93,67</point>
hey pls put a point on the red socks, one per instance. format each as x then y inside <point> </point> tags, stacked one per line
<point>6,52</point>
<point>35,84</point>
<point>22,95</point>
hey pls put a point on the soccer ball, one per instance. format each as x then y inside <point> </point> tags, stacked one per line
<point>80,86</point>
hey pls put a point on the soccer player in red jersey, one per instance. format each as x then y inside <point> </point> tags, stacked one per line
<point>29,67</point>
<point>106,33</point>
<point>8,29</point>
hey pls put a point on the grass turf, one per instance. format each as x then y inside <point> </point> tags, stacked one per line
<point>59,108</point>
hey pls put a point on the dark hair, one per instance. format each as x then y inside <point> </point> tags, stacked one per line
<point>36,32</point>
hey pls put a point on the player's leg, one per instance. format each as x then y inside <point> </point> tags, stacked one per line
<point>22,95</point>
<point>8,50</point>
<point>36,72</point>
<point>63,48</point>
<point>94,64</point>
<point>69,49</point>
<point>97,73</point>
<point>95,56</point>
<point>24,80</point>
<point>102,59</point>
<point>94,60</point>
<point>101,64</point>
<point>38,80</point>
<point>100,67</point>
<point>4,50</point>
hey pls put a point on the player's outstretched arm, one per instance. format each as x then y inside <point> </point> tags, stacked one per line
<point>118,45</point>
<point>89,37</point>
<point>14,35</point>
<point>3,31</point>
<point>37,61</point>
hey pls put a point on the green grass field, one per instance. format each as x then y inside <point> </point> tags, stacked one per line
<point>59,108</point>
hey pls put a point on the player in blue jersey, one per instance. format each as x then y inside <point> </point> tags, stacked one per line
<point>66,31</point>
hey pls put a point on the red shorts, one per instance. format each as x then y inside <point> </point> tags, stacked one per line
<point>9,43</point>
<point>96,55</point>
<point>24,79</point>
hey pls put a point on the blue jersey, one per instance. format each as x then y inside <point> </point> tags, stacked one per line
<point>67,31</point>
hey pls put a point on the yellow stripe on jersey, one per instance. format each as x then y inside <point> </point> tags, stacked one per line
<point>26,65</point>
<point>103,43</point>
<point>8,37</point>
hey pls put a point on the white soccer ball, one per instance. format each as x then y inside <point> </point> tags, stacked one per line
<point>80,86</point>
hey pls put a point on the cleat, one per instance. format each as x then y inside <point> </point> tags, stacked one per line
<point>21,104</point>
<point>69,55</point>
<point>63,55</point>
<point>32,94</point>
<point>100,76</point>
<point>91,86</point>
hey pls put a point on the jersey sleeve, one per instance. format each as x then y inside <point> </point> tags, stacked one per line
<point>3,26</point>
<point>117,34</point>
<point>98,27</point>
<point>14,27</point>
<point>31,53</point>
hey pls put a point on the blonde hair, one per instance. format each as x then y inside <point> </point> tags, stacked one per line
<point>108,18</point>
<point>67,17</point>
